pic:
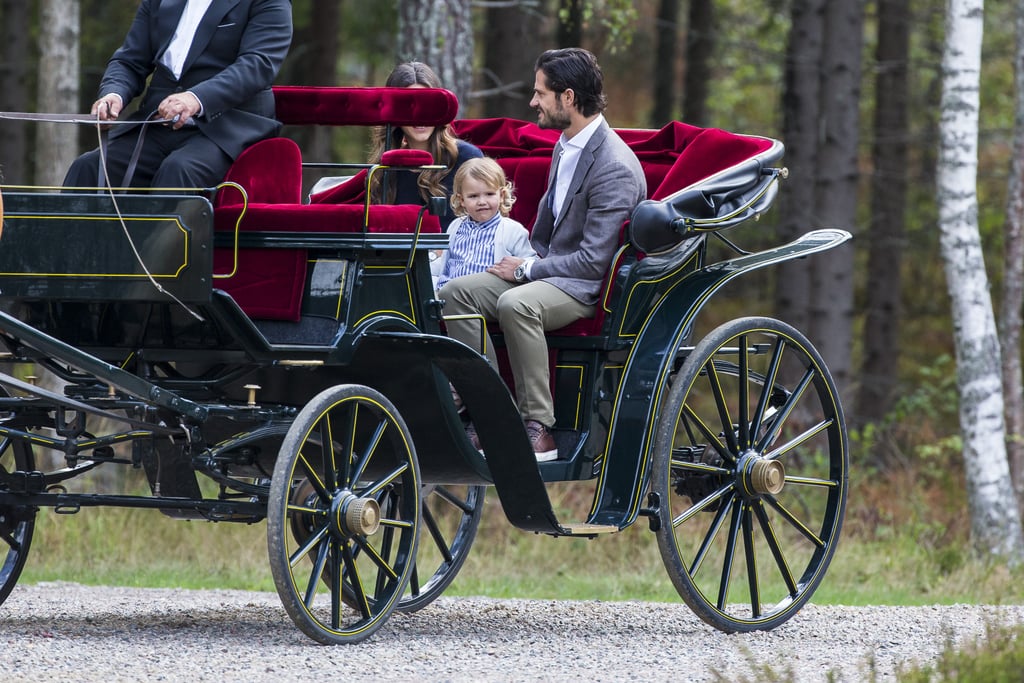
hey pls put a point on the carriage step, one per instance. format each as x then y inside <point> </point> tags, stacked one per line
<point>584,529</point>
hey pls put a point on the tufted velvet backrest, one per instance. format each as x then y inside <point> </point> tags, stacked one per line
<point>330,106</point>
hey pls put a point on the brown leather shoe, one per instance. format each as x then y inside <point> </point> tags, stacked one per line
<point>543,443</point>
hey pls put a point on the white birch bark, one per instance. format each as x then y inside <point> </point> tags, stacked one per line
<point>995,525</point>
<point>59,36</point>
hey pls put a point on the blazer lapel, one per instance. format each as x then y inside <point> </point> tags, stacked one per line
<point>586,160</point>
<point>168,16</point>
<point>207,29</point>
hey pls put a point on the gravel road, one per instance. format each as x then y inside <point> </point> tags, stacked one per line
<point>68,632</point>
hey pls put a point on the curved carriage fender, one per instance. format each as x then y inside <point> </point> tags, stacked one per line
<point>392,356</point>
<point>637,404</point>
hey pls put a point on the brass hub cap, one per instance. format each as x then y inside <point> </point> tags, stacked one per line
<point>357,515</point>
<point>767,476</point>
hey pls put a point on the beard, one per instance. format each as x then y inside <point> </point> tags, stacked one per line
<point>557,119</point>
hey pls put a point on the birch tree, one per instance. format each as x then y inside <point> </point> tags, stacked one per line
<point>1013,278</point>
<point>995,524</point>
<point>59,73</point>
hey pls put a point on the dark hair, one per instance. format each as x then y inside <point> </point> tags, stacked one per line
<point>442,144</point>
<point>576,69</point>
<point>413,73</point>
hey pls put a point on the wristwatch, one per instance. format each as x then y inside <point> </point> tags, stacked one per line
<point>520,272</point>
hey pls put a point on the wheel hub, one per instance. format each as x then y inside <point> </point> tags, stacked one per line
<point>761,476</point>
<point>352,515</point>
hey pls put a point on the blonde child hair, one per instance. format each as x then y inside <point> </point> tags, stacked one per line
<point>487,171</point>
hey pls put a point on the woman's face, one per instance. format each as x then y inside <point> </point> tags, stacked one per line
<point>417,137</point>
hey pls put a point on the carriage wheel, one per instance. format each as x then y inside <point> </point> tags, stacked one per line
<point>328,533</point>
<point>750,465</point>
<point>17,522</point>
<point>451,516</point>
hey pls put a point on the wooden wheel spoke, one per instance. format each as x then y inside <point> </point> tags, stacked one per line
<point>436,534</point>
<point>715,383</point>
<point>355,580</point>
<point>379,485</point>
<point>794,522</point>
<point>330,464</point>
<point>375,556</point>
<point>750,554</point>
<point>779,419</point>
<point>702,505</point>
<point>317,572</point>
<point>709,537</point>
<point>371,449</point>
<point>462,503</point>
<point>773,545</point>
<point>729,557</point>
<point>798,440</point>
<point>314,478</point>
<point>744,397</point>
<point>307,547</point>
<point>767,386</point>
<point>708,435</point>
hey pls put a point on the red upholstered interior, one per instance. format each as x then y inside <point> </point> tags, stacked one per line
<point>269,283</point>
<point>673,157</point>
<point>330,106</point>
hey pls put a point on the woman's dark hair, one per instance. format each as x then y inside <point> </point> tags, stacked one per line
<point>576,69</point>
<point>442,144</point>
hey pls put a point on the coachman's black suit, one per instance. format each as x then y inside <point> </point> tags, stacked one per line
<point>237,50</point>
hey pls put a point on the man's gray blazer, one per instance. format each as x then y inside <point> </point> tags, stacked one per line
<point>577,249</point>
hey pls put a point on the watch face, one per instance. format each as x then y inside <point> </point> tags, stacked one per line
<point>519,273</point>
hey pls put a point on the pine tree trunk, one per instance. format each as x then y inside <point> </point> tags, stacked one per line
<point>14,66</point>
<point>59,74</point>
<point>995,523</point>
<point>512,42</point>
<point>700,48</point>
<point>831,323</point>
<point>663,79</point>
<point>879,371</point>
<point>440,34</point>
<point>800,111</point>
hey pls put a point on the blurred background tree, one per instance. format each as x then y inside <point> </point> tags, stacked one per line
<point>852,88</point>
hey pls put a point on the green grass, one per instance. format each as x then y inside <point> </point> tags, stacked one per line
<point>113,546</point>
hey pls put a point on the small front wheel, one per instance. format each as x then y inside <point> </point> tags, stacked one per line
<point>750,470</point>
<point>17,522</point>
<point>344,514</point>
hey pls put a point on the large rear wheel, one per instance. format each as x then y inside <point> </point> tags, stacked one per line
<point>17,522</point>
<point>750,469</point>
<point>344,514</point>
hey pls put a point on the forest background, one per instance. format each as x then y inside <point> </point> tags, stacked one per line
<point>854,90</point>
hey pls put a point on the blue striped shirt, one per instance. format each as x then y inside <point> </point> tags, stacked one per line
<point>471,248</point>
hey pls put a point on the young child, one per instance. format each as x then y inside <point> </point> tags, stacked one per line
<point>482,234</point>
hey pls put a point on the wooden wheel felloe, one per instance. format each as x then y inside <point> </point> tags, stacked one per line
<point>17,522</point>
<point>344,514</point>
<point>750,470</point>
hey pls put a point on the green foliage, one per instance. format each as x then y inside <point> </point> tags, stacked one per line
<point>616,18</point>
<point>996,658</point>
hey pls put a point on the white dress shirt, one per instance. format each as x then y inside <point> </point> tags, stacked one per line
<point>181,42</point>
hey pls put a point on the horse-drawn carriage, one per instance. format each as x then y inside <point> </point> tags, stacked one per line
<point>261,356</point>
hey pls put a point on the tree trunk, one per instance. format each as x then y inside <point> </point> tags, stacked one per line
<point>879,371</point>
<point>1013,279</point>
<point>440,34</point>
<point>512,42</point>
<point>663,79</point>
<point>14,68</point>
<point>995,524</point>
<point>831,310</point>
<point>59,73</point>
<point>317,64</point>
<point>570,23</point>
<point>800,111</point>
<point>700,47</point>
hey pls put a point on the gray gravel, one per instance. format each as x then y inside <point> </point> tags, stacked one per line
<point>68,632</point>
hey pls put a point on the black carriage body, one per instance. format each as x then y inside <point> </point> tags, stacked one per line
<point>123,297</point>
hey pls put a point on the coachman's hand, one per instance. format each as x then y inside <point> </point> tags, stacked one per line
<point>179,107</point>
